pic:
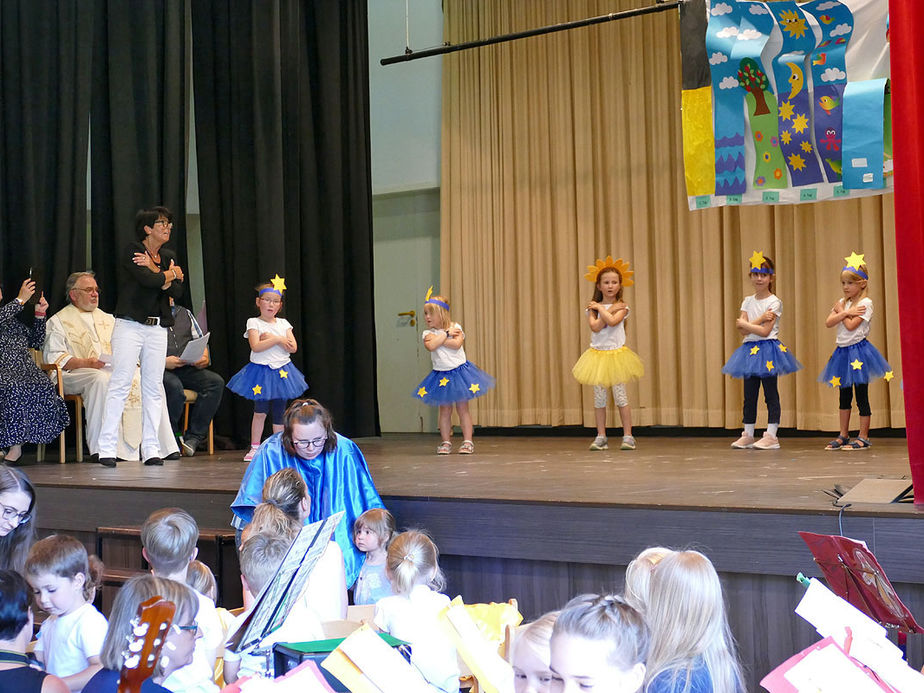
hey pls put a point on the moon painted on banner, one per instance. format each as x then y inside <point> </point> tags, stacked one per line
<point>796,78</point>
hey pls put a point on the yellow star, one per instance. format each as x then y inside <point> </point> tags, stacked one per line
<point>786,136</point>
<point>257,389</point>
<point>857,364</point>
<point>783,348</point>
<point>754,350</point>
<point>806,147</point>
<point>786,110</point>
<point>283,374</point>
<point>444,382</point>
<point>835,382</point>
<point>800,123</point>
<point>278,283</point>
<point>757,259</point>
<point>475,387</point>
<point>769,365</point>
<point>854,260</point>
<point>422,392</point>
<point>796,162</point>
<point>888,376</point>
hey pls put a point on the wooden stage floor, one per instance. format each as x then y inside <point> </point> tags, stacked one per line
<point>664,472</point>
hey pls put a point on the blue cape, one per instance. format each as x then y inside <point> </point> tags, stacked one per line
<point>337,480</point>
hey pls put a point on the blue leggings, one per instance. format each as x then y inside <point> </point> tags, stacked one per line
<point>276,406</point>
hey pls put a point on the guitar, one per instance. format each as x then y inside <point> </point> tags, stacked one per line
<point>145,641</point>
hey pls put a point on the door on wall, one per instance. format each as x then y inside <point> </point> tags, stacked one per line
<point>406,257</point>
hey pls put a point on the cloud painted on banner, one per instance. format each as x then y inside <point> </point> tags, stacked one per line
<point>833,74</point>
<point>728,83</point>
<point>749,35</point>
<point>841,29</point>
<point>827,6</point>
<point>758,9</point>
<point>718,58</point>
<point>720,9</point>
<point>728,32</point>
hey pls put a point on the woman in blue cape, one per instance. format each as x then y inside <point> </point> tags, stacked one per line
<point>332,466</point>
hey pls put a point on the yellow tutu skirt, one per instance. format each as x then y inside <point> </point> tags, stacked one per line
<point>608,368</point>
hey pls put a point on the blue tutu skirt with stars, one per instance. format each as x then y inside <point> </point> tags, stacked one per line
<point>853,365</point>
<point>462,383</point>
<point>763,358</point>
<point>260,383</point>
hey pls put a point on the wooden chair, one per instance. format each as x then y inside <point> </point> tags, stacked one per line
<point>191,397</point>
<point>55,369</point>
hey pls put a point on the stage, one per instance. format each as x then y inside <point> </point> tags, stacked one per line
<point>542,518</point>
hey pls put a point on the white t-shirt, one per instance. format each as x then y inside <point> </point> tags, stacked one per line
<point>276,356</point>
<point>445,358</point>
<point>847,337</point>
<point>415,618</point>
<point>610,337</point>
<point>67,642</point>
<point>197,676</point>
<point>755,307</point>
<point>325,593</point>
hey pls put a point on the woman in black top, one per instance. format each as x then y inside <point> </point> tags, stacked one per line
<point>148,277</point>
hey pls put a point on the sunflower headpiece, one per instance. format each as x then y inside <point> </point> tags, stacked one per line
<point>595,270</point>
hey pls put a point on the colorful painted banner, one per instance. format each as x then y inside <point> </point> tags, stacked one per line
<point>769,125</point>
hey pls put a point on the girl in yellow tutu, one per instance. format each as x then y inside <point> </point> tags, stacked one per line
<point>609,362</point>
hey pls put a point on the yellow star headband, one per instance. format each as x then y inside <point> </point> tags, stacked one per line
<point>279,285</point>
<point>594,271</point>
<point>757,259</point>
<point>854,260</point>
<point>434,301</point>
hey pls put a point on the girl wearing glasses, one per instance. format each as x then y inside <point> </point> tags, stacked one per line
<point>270,379</point>
<point>332,467</point>
<point>17,504</point>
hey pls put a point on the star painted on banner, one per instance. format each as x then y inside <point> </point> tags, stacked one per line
<point>856,364</point>
<point>444,382</point>
<point>769,366</point>
<point>475,387</point>
<point>422,392</point>
<point>806,147</point>
<point>796,162</point>
<point>855,260</point>
<point>257,389</point>
<point>786,110</point>
<point>784,348</point>
<point>888,376</point>
<point>757,259</point>
<point>283,374</point>
<point>786,136</point>
<point>835,382</point>
<point>800,123</point>
<point>278,283</point>
<point>754,350</point>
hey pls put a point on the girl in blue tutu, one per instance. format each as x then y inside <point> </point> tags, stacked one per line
<point>761,357</point>
<point>454,379</point>
<point>609,362</point>
<point>854,360</point>
<point>270,379</point>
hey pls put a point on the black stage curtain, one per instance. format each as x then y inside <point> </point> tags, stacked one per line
<point>139,138</point>
<point>282,133</point>
<point>44,110</point>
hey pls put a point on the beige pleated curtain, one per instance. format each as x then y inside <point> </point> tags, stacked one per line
<point>560,149</point>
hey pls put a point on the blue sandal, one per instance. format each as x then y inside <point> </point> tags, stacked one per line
<point>858,444</point>
<point>837,443</point>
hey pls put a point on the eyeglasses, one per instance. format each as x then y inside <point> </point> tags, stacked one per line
<point>306,444</point>
<point>164,222</point>
<point>94,290</point>
<point>270,299</point>
<point>9,514</point>
<point>191,628</point>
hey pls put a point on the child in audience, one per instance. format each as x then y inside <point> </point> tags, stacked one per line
<point>269,519</point>
<point>287,491</point>
<point>168,538</point>
<point>599,643</point>
<point>413,613</point>
<point>64,581</point>
<point>692,650</point>
<point>372,533</point>
<point>638,576</point>
<point>260,557</point>
<point>530,655</point>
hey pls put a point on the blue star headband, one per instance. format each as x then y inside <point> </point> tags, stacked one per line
<point>757,260</point>
<point>854,260</point>
<point>270,290</point>
<point>435,301</point>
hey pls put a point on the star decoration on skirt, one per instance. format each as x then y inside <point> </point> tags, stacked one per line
<point>422,392</point>
<point>888,376</point>
<point>769,365</point>
<point>283,373</point>
<point>475,387</point>
<point>444,382</point>
<point>784,348</point>
<point>856,364</point>
<point>257,389</point>
<point>754,350</point>
<point>835,382</point>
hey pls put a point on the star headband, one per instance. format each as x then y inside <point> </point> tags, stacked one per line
<point>757,259</point>
<point>594,271</point>
<point>435,301</point>
<point>854,260</point>
<point>279,285</point>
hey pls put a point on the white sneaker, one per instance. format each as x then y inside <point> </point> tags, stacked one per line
<point>767,442</point>
<point>744,442</point>
<point>600,443</point>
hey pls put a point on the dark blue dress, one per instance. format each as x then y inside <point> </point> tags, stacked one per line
<point>30,409</point>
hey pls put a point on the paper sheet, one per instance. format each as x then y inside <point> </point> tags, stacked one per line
<point>195,349</point>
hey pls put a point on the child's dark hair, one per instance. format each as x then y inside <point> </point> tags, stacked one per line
<point>767,265</point>
<point>598,294</point>
<point>15,602</point>
<point>64,556</point>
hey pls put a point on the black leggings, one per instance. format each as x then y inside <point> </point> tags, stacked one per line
<point>276,406</point>
<point>862,391</point>
<point>771,397</point>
